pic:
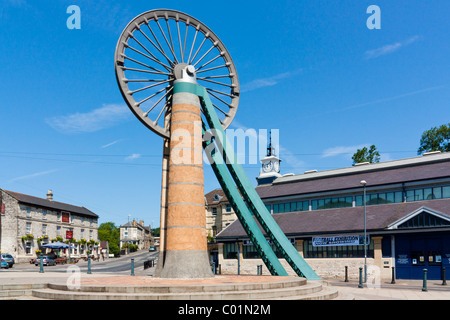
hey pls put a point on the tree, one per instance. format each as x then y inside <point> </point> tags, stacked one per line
<point>364,155</point>
<point>435,139</point>
<point>107,231</point>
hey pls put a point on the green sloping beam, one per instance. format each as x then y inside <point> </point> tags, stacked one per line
<point>245,217</point>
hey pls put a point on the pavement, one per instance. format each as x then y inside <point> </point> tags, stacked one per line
<point>401,290</point>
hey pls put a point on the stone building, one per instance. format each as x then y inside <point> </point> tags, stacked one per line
<point>28,222</point>
<point>134,232</point>
<point>219,213</point>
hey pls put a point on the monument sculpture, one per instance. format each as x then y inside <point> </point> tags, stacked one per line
<point>179,80</point>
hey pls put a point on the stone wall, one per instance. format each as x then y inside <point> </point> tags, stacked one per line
<point>328,268</point>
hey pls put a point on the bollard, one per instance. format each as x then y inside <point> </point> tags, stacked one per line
<point>41,264</point>
<point>393,275</point>
<point>89,265</point>
<point>360,285</point>
<point>259,269</point>
<point>444,281</point>
<point>132,267</point>
<point>424,287</point>
<point>346,274</point>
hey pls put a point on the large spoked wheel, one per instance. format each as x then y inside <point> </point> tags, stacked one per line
<point>150,53</point>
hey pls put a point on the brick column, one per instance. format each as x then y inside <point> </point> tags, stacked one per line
<point>186,243</point>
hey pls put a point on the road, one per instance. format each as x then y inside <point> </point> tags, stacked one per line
<point>120,265</point>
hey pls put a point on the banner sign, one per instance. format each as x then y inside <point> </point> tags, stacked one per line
<point>69,234</point>
<point>355,240</point>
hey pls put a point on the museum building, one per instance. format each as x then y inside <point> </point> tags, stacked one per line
<point>403,206</point>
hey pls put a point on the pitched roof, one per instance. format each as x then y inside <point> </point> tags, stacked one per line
<point>210,198</point>
<point>55,205</point>
<point>383,173</point>
<point>379,217</point>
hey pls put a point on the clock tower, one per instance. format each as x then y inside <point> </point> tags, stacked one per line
<point>270,166</point>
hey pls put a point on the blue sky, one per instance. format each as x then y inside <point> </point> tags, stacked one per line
<point>311,69</point>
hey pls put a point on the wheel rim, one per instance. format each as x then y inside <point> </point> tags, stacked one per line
<point>149,52</point>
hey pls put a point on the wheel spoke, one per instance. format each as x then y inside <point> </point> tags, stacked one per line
<point>158,48</point>
<point>214,68</point>
<point>179,41</point>
<point>164,108</point>
<point>196,52</point>
<point>213,59</point>
<point>141,102</point>
<point>167,41</point>
<point>150,86</point>
<point>204,55</point>
<point>146,71</point>
<point>171,42</point>
<point>153,59</point>
<point>141,63</point>
<point>220,83</point>
<point>145,80</point>
<point>185,38</point>
<point>225,94</point>
<point>165,94</point>
<point>214,77</point>
<point>229,105</point>
<point>192,46</point>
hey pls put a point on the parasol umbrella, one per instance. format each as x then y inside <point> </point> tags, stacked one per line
<point>56,245</point>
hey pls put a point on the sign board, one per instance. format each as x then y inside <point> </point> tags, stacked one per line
<point>354,240</point>
<point>69,234</point>
<point>65,216</point>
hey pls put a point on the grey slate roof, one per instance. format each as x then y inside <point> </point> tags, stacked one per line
<point>393,172</point>
<point>55,205</point>
<point>379,217</point>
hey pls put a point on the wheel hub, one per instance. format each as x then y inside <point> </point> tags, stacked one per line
<point>184,72</point>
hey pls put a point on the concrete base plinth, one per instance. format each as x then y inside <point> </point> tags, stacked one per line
<point>186,264</point>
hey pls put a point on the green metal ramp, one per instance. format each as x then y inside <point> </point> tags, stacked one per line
<point>242,195</point>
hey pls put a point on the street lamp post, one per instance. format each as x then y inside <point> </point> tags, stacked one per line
<point>363,183</point>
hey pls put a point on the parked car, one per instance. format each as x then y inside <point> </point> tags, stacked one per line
<point>4,264</point>
<point>151,249</point>
<point>9,259</point>
<point>46,261</point>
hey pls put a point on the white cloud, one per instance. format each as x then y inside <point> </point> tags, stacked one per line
<point>341,150</point>
<point>97,119</point>
<point>389,48</point>
<point>133,156</point>
<point>110,144</point>
<point>267,82</point>
<point>33,175</point>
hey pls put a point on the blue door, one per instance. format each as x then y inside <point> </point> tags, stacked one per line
<point>416,252</point>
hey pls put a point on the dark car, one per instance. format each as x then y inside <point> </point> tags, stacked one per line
<point>9,259</point>
<point>46,261</point>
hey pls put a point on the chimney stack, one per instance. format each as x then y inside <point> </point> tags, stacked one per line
<point>50,195</point>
